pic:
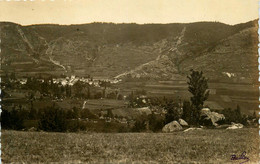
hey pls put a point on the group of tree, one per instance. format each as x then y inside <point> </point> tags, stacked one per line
<point>51,118</point>
<point>235,115</point>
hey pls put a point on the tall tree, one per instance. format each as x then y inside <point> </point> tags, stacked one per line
<point>198,86</point>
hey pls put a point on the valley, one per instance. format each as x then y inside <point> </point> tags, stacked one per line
<point>155,58</point>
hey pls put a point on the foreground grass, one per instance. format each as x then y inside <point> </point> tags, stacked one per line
<point>200,146</point>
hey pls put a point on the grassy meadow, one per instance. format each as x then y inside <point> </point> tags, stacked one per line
<point>197,146</point>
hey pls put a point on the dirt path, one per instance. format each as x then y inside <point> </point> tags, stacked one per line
<point>49,53</point>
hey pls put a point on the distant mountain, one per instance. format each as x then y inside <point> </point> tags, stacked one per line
<point>158,51</point>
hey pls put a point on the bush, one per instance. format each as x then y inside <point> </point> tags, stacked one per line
<point>140,125</point>
<point>156,122</point>
<point>188,113</point>
<point>173,111</point>
<point>53,119</point>
<point>12,120</point>
<point>233,116</point>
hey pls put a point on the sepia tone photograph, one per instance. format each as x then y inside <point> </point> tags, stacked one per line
<point>129,81</point>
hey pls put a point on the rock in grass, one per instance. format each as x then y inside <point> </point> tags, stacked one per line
<point>172,127</point>
<point>235,126</point>
<point>183,122</point>
<point>210,118</point>
<point>190,129</point>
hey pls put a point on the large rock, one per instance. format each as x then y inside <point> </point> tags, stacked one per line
<point>172,127</point>
<point>235,126</point>
<point>183,122</point>
<point>190,129</point>
<point>210,117</point>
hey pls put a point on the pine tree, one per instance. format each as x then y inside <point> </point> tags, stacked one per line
<point>198,86</point>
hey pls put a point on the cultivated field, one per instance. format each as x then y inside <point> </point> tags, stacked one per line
<point>224,95</point>
<point>198,146</point>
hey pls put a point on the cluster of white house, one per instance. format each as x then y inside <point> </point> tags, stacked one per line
<point>73,79</point>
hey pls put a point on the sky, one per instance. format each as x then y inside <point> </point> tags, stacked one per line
<point>127,11</point>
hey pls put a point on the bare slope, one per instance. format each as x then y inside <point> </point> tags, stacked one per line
<point>159,51</point>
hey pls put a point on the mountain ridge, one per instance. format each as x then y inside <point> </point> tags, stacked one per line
<point>108,50</point>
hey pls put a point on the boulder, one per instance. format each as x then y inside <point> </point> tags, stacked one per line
<point>208,117</point>
<point>183,122</point>
<point>190,129</point>
<point>172,127</point>
<point>235,126</point>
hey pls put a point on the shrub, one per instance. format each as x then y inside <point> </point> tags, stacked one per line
<point>173,111</point>
<point>139,126</point>
<point>187,111</point>
<point>12,120</point>
<point>156,122</point>
<point>53,119</point>
<point>234,116</point>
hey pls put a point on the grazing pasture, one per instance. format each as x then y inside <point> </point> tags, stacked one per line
<point>197,146</point>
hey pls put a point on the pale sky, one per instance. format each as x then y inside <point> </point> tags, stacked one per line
<point>127,11</point>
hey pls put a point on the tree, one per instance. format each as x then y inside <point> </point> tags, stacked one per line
<point>187,112</point>
<point>238,115</point>
<point>32,112</point>
<point>79,87</point>
<point>198,86</point>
